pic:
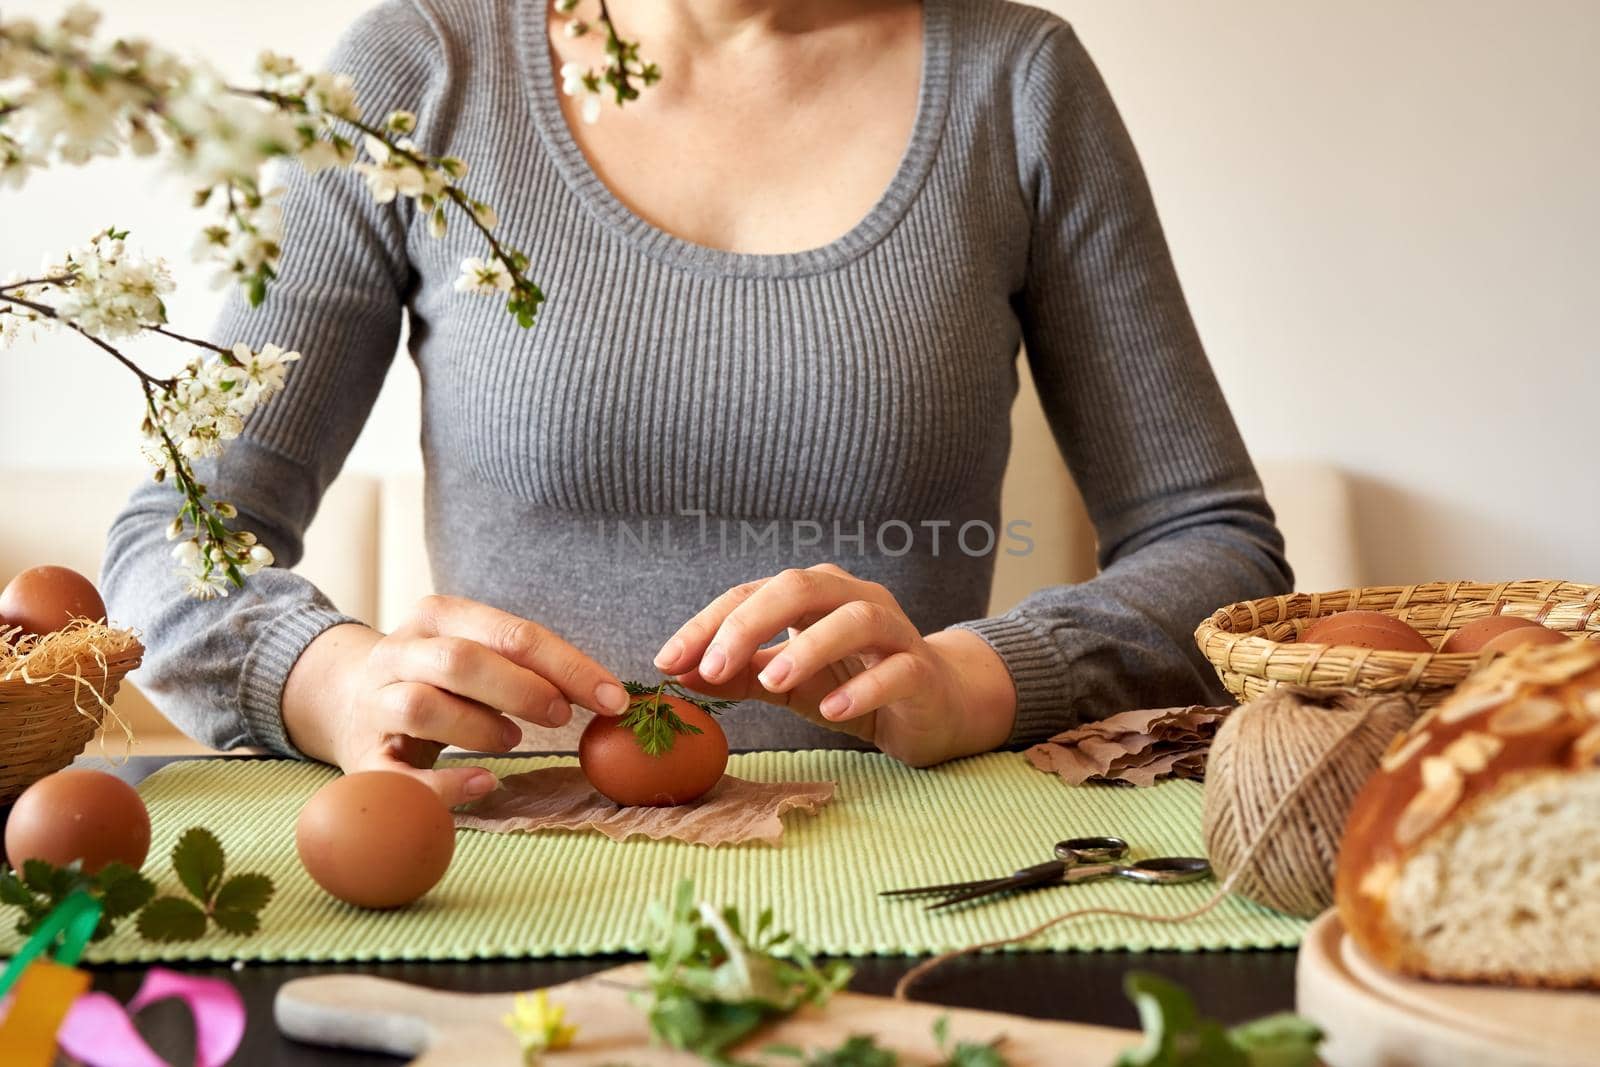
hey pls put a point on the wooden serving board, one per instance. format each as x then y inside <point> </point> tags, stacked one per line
<point>1377,1019</point>
<point>439,1028</point>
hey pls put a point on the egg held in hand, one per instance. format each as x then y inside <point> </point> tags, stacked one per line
<point>375,839</point>
<point>644,759</point>
<point>79,816</point>
<point>42,600</point>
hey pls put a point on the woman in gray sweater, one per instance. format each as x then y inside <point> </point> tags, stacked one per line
<point>769,396</point>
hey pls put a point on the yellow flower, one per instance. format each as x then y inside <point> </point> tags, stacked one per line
<point>539,1025</point>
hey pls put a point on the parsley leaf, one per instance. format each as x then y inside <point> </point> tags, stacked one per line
<point>42,887</point>
<point>234,904</point>
<point>712,985</point>
<point>652,719</point>
<point>1177,1036</point>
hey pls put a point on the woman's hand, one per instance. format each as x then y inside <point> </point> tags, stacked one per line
<point>456,672</point>
<point>920,699</point>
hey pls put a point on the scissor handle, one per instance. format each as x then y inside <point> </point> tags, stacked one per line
<point>1167,870</point>
<point>1091,849</point>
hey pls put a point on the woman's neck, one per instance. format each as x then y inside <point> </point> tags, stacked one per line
<point>699,26</point>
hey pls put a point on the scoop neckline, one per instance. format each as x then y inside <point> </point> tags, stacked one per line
<point>880,220</point>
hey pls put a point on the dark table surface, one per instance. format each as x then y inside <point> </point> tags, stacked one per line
<point>1077,986</point>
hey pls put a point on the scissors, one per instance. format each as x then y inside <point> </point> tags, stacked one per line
<point>1078,859</point>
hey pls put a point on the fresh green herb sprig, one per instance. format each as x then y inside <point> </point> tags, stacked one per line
<point>40,888</point>
<point>233,904</point>
<point>654,722</point>
<point>863,1050</point>
<point>712,982</point>
<point>858,1050</point>
<point>1177,1036</point>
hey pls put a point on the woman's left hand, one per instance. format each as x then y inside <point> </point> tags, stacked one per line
<point>920,699</point>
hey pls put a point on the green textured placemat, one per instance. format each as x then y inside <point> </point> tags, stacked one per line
<point>569,894</point>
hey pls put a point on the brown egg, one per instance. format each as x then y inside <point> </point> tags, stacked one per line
<point>1524,635</point>
<point>375,839</point>
<point>88,816</point>
<point>42,600</point>
<point>1479,632</point>
<point>621,770</point>
<point>1366,629</point>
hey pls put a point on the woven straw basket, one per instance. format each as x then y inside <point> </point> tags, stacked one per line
<point>1252,644</point>
<point>46,722</point>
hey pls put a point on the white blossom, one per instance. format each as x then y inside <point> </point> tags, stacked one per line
<point>573,77</point>
<point>202,579</point>
<point>488,278</point>
<point>262,373</point>
<point>112,293</point>
<point>323,153</point>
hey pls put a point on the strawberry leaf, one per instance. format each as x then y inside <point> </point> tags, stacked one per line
<point>197,859</point>
<point>237,908</point>
<point>172,919</point>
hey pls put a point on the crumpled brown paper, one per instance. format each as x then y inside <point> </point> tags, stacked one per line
<point>561,798</point>
<point>1133,747</point>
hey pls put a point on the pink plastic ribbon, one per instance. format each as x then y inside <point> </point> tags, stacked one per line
<point>100,1031</point>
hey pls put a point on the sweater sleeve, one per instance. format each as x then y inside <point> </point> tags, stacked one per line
<point>1182,521</point>
<point>217,668</point>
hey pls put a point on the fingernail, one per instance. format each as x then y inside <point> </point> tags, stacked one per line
<point>480,785</point>
<point>712,663</point>
<point>835,705</point>
<point>610,697</point>
<point>776,672</point>
<point>510,734</point>
<point>670,653</point>
<point>560,711</point>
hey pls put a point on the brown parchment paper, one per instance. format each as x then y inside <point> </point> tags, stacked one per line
<point>561,798</point>
<point>1133,747</point>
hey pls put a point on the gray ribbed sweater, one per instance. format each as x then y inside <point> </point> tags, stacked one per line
<point>682,419</point>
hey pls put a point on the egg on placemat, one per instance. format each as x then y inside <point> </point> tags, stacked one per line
<point>375,839</point>
<point>42,600</point>
<point>79,815</point>
<point>1366,629</point>
<point>1474,635</point>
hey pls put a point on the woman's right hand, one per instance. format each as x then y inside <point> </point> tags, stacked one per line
<point>456,672</point>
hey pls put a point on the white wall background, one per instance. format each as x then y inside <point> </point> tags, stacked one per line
<point>1386,214</point>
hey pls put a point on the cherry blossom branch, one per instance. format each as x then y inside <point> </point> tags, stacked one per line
<point>64,98</point>
<point>44,310</point>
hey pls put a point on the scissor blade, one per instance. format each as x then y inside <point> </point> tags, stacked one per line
<point>949,887</point>
<point>1027,878</point>
<point>999,885</point>
<point>928,890</point>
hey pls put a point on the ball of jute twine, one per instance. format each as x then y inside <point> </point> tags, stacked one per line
<point>1263,750</point>
<point>1287,805</point>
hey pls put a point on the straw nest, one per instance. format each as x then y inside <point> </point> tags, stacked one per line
<point>56,691</point>
<point>1253,644</point>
